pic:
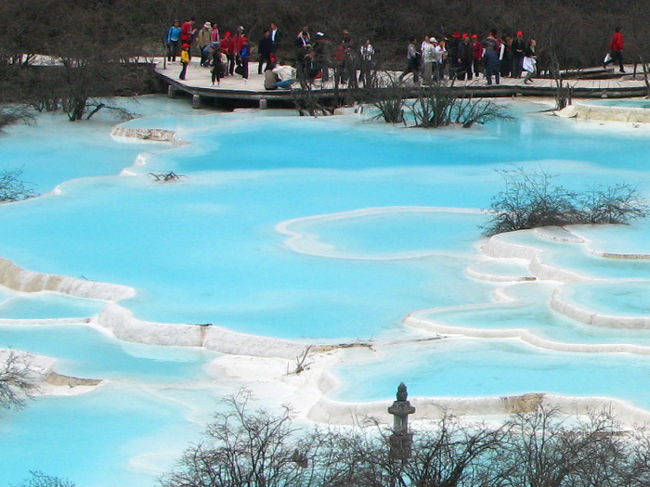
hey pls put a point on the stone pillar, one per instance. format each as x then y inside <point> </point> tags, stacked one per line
<point>171,91</point>
<point>401,439</point>
<point>263,104</point>
<point>196,101</point>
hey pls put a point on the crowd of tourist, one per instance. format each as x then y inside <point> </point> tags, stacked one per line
<point>226,54</point>
<point>466,56</point>
<point>316,56</point>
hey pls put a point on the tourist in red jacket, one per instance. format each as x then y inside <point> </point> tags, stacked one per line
<point>478,54</point>
<point>616,50</point>
<point>187,33</point>
<point>228,50</point>
<point>237,42</point>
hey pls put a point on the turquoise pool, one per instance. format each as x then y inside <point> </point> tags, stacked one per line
<point>330,230</point>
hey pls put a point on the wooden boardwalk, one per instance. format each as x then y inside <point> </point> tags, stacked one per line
<point>237,92</point>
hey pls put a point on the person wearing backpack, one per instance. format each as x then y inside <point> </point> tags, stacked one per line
<point>244,56</point>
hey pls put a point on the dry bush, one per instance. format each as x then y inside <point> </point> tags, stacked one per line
<point>530,200</point>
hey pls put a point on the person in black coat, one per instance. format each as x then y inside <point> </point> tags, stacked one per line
<point>517,50</point>
<point>465,58</point>
<point>276,37</point>
<point>264,49</point>
<point>452,55</point>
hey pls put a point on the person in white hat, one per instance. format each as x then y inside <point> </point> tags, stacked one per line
<point>203,39</point>
<point>428,59</point>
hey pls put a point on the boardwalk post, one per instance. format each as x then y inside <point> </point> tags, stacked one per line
<point>171,91</point>
<point>401,439</point>
<point>196,101</point>
<point>263,104</point>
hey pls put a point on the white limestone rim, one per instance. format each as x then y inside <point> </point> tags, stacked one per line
<point>558,234</point>
<point>310,244</point>
<point>562,305</point>
<point>575,230</point>
<point>312,386</point>
<point>48,381</point>
<point>307,396</point>
<point>496,246</point>
<point>568,111</point>
<point>19,279</point>
<point>329,411</point>
<point>124,134</point>
<point>612,113</point>
<point>417,321</point>
<point>44,321</point>
<point>121,323</point>
<point>493,277</point>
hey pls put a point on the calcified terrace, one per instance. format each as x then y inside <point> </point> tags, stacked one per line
<point>367,254</point>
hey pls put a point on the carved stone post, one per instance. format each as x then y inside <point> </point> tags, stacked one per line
<point>401,439</point>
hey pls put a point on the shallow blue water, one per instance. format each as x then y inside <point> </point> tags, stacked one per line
<point>632,102</point>
<point>395,233</point>
<point>46,306</point>
<point>85,352</point>
<point>208,250</point>
<point>116,435</point>
<point>578,259</point>
<point>53,151</point>
<point>531,312</point>
<point>234,269</point>
<point>468,368</point>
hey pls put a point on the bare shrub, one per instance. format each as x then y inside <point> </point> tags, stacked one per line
<point>531,200</point>
<point>17,383</point>
<point>433,107</point>
<point>308,103</point>
<point>543,450</point>
<point>12,187</point>
<point>468,111</point>
<point>301,362</point>
<point>167,177</point>
<point>40,479</point>
<point>450,453</point>
<point>241,448</point>
<point>389,97</point>
<point>619,203</point>
<point>14,114</point>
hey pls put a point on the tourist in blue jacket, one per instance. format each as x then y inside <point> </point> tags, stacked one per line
<point>173,38</point>
<point>244,56</point>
